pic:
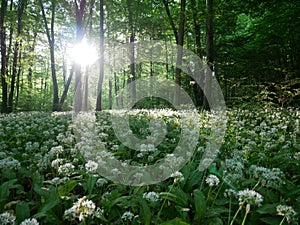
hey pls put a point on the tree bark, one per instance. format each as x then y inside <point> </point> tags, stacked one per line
<point>179,52</point>
<point>101,59</point>
<point>18,43</point>
<point>66,88</point>
<point>198,93</point>
<point>166,4</point>
<point>209,53</point>
<point>3,56</point>
<point>51,41</point>
<point>79,9</point>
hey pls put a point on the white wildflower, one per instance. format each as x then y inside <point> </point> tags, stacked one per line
<point>286,211</point>
<point>178,176</point>
<point>212,180</point>
<point>9,163</point>
<point>250,197</point>
<point>91,166</point>
<point>115,171</point>
<point>57,162</point>
<point>81,209</point>
<point>66,169</point>
<point>7,218</point>
<point>127,216</point>
<point>32,221</point>
<point>151,196</point>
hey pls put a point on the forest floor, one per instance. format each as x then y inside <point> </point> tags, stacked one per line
<point>159,167</point>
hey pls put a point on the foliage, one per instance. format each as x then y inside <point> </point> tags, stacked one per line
<point>254,179</point>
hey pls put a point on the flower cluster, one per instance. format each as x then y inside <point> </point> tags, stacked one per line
<point>91,166</point>
<point>9,163</point>
<point>127,216</point>
<point>250,197</point>
<point>32,221</point>
<point>7,218</point>
<point>82,209</point>
<point>268,177</point>
<point>286,211</point>
<point>151,196</point>
<point>212,180</point>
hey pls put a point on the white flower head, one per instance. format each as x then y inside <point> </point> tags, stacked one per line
<point>286,211</point>
<point>212,180</point>
<point>151,196</point>
<point>66,169</point>
<point>91,166</point>
<point>7,218</point>
<point>250,197</point>
<point>127,216</point>
<point>32,221</point>
<point>178,176</point>
<point>81,209</point>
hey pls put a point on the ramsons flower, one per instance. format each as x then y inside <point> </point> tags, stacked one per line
<point>212,180</point>
<point>91,166</point>
<point>81,209</point>
<point>250,197</point>
<point>286,211</point>
<point>127,216</point>
<point>32,221</point>
<point>151,196</point>
<point>7,218</point>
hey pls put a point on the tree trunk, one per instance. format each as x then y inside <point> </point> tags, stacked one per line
<point>209,53</point>
<point>198,93</point>
<point>179,52</point>
<point>51,41</point>
<point>66,88</point>
<point>79,36</point>
<point>18,43</point>
<point>101,62</point>
<point>166,4</point>
<point>18,80</point>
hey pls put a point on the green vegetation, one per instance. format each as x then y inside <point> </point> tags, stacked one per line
<point>253,180</point>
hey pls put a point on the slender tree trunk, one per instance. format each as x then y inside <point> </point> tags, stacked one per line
<point>86,90</point>
<point>179,52</point>
<point>209,53</point>
<point>51,41</point>
<point>101,62</point>
<point>66,88</point>
<point>79,36</point>
<point>18,43</point>
<point>110,93</point>
<point>18,80</point>
<point>3,56</point>
<point>198,93</point>
<point>171,21</point>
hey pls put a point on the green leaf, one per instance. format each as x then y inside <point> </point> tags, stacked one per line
<point>22,211</point>
<point>216,221</point>
<point>200,204</point>
<point>65,189</point>
<point>267,209</point>
<point>176,221</point>
<point>271,220</point>
<point>145,211</point>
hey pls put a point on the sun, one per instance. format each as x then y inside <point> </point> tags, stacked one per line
<point>83,53</point>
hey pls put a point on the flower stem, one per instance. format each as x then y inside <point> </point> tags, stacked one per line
<point>245,216</point>
<point>281,222</point>
<point>235,215</point>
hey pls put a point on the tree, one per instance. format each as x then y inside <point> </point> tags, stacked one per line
<point>209,53</point>
<point>179,52</point>
<point>51,41</point>
<point>3,56</point>
<point>18,42</point>
<point>79,10</point>
<point>101,60</point>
